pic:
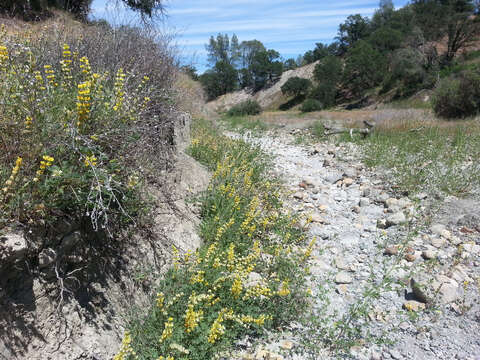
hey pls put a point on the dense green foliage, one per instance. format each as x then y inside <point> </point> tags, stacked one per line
<point>239,281</point>
<point>393,51</point>
<point>364,68</point>
<point>296,86</point>
<point>219,80</point>
<point>458,96</point>
<point>310,105</point>
<point>253,65</point>
<point>248,107</point>
<point>392,54</point>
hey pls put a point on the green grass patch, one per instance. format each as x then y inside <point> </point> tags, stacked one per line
<point>412,103</point>
<point>431,159</point>
<point>243,123</point>
<point>242,280</point>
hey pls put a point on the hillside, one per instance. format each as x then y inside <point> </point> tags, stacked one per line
<point>269,98</point>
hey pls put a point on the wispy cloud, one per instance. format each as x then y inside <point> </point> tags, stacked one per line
<point>290,27</point>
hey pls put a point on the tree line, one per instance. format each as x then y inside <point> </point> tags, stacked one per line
<point>394,50</point>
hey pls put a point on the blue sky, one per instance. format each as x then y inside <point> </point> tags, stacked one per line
<point>290,27</point>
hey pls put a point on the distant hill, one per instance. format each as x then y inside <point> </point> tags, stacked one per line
<point>269,99</point>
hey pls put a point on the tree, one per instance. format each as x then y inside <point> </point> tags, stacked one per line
<point>296,86</point>
<point>191,71</point>
<point>289,64</point>
<point>383,15</point>
<point>321,50</point>
<point>408,72</point>
<point>386,39</point>
<point>247,50</point>
<point>355,28</point>
<point>451,18</point>
<point>146,7</point>
<point>80,8</point>
<point>32,9</point>
<point>328,73</point>
<point>364,68</point>
<point>328,70</point>
<point>265,68</point>
<point>223,49</point>
<point>220,80</point>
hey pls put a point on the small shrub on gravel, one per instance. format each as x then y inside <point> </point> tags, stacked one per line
<point>310,105</point>
<point>245,278</point>
<point>248,107</point>
<point>458,97</point>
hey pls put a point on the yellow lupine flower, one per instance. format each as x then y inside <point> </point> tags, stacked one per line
<point>284,290</point>
<point>90,161</point>
<point>168,330</point>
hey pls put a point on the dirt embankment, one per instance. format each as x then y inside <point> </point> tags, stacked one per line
<point>80,314</point>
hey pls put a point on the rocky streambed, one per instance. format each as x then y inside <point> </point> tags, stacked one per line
<point>398,274</point>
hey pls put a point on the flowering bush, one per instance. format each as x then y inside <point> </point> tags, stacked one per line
<point>67,131</point>
<point>240,281</point>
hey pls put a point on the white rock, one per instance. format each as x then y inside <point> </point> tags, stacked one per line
<point>396,219</point>
<point>299,195</point>
<point>437,229</point>
<point>364,202</point>
<point>438,242</point>
<point>343,278</point>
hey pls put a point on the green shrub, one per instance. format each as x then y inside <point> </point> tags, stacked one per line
<point>325,93</point>
<point>248,107</point>
<point>78,138</point>
<point>207,300</point>
<point>310,105</point>
<point>296,86</point>
<point>458,97</point>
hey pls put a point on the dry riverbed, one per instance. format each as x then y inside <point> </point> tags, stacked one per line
<point>391,276</point>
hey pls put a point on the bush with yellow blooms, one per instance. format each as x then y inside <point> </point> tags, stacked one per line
<point>242,280</point>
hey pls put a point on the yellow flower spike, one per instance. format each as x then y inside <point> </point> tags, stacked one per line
<point>125,349</point>
<point>192,318</point>
<point>160,300</point>
<point>237,287</point>
<point>284,290</point>
<point>168,330</point>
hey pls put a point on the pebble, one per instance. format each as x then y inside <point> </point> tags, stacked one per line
<point>298,195</point>
<point>347,181</point>
<point>438,242</point>
<point>429,254</point>
<point>396,219</point>
<point>391,250</point>
<point>413,305</point>
<point>343,278</point>
<point>410,257</point>
<point>395,354</point>
<point>437,229</point>
<point>286,345</point>
<point>364,202</point>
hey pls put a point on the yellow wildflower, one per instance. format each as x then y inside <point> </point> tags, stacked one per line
<point>168,330</point>
<point>90,161</point>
